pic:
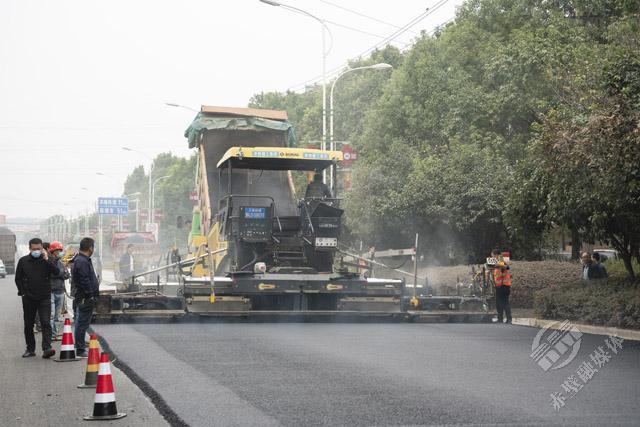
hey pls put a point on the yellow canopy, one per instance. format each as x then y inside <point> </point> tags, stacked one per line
<point>279,158</point>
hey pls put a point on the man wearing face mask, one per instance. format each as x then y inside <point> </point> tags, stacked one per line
<point>32,278</point>
<point>86,293</point>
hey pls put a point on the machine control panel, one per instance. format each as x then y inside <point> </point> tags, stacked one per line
<point>255,223</point>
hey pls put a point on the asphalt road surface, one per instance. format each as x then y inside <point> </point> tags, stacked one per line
<point>35,392</point>
<point>370,374</point>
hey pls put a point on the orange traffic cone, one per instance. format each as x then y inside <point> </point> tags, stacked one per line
<point>67,350</point>
<point>104,406</point>
<point>91,375</point>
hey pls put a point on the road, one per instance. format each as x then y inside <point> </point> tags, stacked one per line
<point>294,374</point>
<point>369,374</point>
<point>36,392</point>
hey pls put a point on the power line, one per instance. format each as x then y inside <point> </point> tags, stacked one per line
<point>354,29</point>
<point>431,32</point>
<point>395,34</point>
<point>355,12</point>
<point>97,128</point>
<point>48,202</point>
<point>413,22</point>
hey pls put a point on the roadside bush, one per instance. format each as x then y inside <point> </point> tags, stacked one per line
<point>598,303</point>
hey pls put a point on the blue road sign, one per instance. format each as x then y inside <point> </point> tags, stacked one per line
<point>118,206</point>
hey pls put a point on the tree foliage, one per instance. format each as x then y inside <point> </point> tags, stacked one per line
<point>172,194</point>
<point>589,146</point>
<point>519,116</point>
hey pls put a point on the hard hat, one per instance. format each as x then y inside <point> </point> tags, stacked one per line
<point>55,246</point>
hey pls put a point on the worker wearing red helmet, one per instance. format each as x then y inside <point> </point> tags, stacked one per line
<point>57,286</point>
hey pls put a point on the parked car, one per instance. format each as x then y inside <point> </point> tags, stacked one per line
<point>606,254</point>
<point>3,270</point>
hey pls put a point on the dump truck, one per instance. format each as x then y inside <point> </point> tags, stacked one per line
<point>8,249</point>
<point>257,247</point>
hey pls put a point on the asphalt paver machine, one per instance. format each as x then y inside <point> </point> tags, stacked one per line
<point>256,247</point>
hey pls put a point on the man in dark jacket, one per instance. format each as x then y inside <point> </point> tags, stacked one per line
<point>127,264</point>
<point>590,270</point>
<point>596,260</point>
<point>33,275</point>
<point>86,293</point>
<point>317,189</point>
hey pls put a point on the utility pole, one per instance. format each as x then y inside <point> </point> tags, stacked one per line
<point>415,267</point>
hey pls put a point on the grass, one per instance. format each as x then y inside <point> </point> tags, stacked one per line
<point>615,302</point>
<point>618,273</point>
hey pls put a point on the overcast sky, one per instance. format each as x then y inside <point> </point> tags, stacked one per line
<point>80,79</point>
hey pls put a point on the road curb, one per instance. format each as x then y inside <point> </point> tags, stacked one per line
<point>156,399</point>
<point>627,334</point>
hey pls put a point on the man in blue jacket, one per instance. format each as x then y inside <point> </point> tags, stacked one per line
<point>86,293</point>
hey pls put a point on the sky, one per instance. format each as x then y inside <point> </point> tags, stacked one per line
<point>80,79</point>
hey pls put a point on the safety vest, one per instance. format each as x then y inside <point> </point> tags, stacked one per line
<point>502,277</point>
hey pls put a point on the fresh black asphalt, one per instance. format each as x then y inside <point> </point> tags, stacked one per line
<point>304,374</point>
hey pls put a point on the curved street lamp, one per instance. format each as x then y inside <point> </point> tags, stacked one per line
<point>332,146</point>
<point>150,176</point>
<point>153,192</point>
<point>325,53</point>
<point>171,104</point>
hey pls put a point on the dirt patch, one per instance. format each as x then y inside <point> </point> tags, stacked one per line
<point>527,278</point>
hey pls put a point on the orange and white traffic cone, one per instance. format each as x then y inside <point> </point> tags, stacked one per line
<point>91,375</point>
<point>104,406</point>
<point>67,350</point>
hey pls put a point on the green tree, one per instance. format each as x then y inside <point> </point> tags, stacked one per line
<point>587,150</point>
<point>172,194</point>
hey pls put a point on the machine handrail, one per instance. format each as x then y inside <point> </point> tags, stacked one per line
<point>182,263</point>
<point>379,264</point>
<point>306,211</point>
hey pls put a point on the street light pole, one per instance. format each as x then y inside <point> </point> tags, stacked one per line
<point>379,66</point>
<point>325,53</point>
<point>137,200</point>
<point>153,191</point>
<point>86,211</point>
<point>150,178</point>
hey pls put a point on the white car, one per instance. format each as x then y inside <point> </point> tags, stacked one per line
<point>606,254</point>
<point>3,270</point>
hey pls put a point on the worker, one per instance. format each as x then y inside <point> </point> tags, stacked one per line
<point>127,264</point>
<point>57,286</point>
<point>502,280</point>
<point>32,278</point>
<point>86,293</point>
<point>317,189</point>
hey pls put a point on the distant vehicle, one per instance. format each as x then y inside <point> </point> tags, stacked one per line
<point>606,254</point>
<point>556,256</point>
<point>8,249</point>
<point>3,271</point>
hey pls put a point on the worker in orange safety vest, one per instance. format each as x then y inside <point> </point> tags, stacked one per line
<point>502,280</point>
